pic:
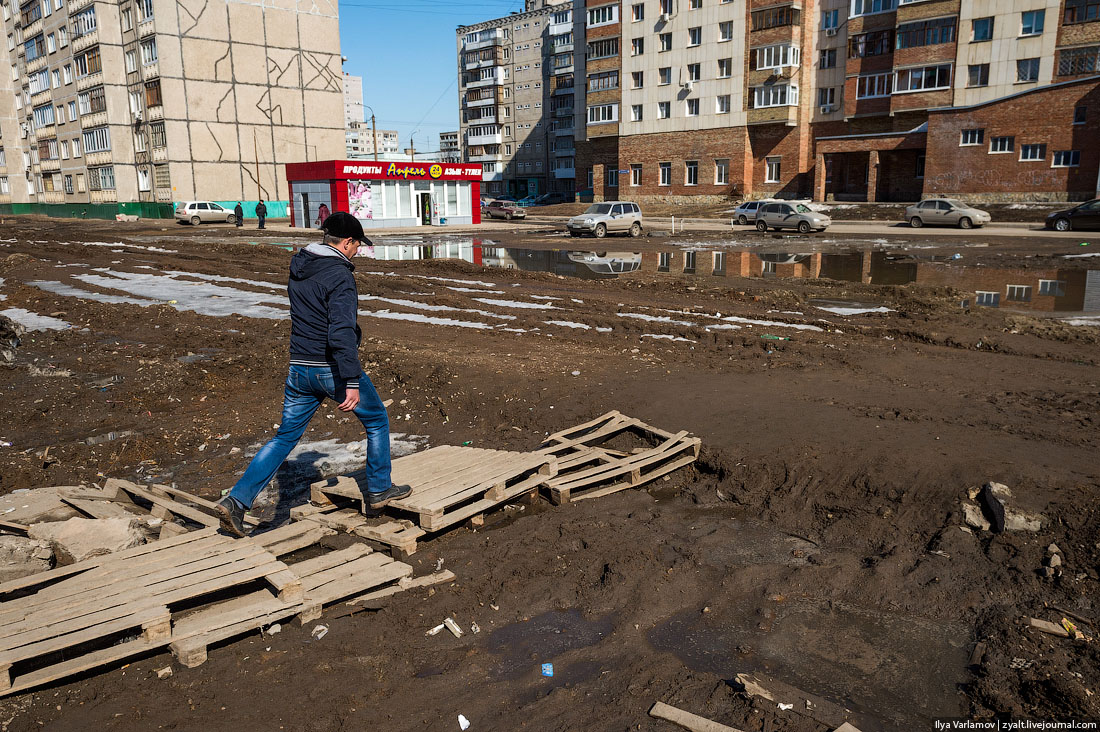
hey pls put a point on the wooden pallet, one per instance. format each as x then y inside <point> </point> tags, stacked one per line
<point>106,609</point>
<point>399,537</point>
<point>451,484</point>
<point>589,468</point>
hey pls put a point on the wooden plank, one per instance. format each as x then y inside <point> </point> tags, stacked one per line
<point>436,522</point>
<point>571,433</point>
<point>352,578</point>
<point>13,527</point>
<point>192,651</point>
<point>191,514</point>
<point>98,509</point>
<point>77,665</point>
<point>406,584</point>
<point>344,520</point>
<point>1049,628</point>
<point>603,433</point>
<point>687,720</point>
<point>608,490</point>
<point>624,466</point>
<point>300,541</point>
<point>288,584</point>
<point>117,623</point>
<point>330,560</point>
<point>204,503</point>
<point>472,483</point>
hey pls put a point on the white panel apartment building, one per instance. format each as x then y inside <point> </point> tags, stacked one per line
<point>130,105</point>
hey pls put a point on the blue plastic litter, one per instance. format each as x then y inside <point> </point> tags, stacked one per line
<point>547,669</point>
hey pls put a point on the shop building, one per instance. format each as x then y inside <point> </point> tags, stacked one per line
<point>382,194</point>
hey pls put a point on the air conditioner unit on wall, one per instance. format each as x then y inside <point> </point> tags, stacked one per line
<point>664,17</point>
<point>689,85</point>
<point>830,32</point>
<point>827,109</point>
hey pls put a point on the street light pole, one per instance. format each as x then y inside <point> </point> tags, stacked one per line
<point>374,131</point>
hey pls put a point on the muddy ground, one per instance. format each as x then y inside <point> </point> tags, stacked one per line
<point>819,539</point>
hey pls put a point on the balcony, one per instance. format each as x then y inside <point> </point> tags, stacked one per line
<point>98,158</point>
<point>41,98</point>
<point>473,104</point>
<point>104,196</point>
<point>565,152</point>
<point>79,43</point>
<point>160,154</point>
<point>87,82</point>
<point>495,139</point>
<point>564,112</point>
<point>565,173</point>
<point>154,113</point>
<point>564,130</point>
<point>37,65</point>
<point>54,197</point>
<point>497,59</point>
<point>486,158</point>
<point>557,29</point>
<point>559,70</point>
<point>75,5</point>
<point>50,165</point>
<point>492,175</point>
<point>145,28</point>
<point>150,71</point>
<point>494,37</point>
<point>494,79</point>
<point>44,132</point>
<point>489,117</point>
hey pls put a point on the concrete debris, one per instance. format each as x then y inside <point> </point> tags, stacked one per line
<point>973,517</point>
<point>992,509</point>
<point>1054,561</point>
<point>163,673</point>
<point>826,712</point>
<point>687,720</point>
<point>21,556</point>
<point>10,332</point>
<point>1053,549</point>
<point>79,538</point>
<point>27,507</point>
<point>1014,520</point>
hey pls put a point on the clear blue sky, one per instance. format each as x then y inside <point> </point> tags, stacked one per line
<point>405,51</point>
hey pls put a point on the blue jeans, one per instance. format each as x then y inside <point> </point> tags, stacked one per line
<point>306,388</point>
<point>262,220</point>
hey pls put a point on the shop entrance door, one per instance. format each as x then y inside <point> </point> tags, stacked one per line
<point>305,211</point>
<point>425,209</point>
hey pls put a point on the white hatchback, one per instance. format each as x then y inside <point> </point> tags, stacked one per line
<point>199,212</point>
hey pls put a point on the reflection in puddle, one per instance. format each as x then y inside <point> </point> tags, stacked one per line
<point>523,647</point>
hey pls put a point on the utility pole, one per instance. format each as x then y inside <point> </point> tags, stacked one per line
<point>256,154</point>
<point>412,150</point>
<point>374,133</point>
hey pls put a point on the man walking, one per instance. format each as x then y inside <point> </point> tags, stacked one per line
<point>324,364</point>
<point>261,213</point>
<point>238,214</point>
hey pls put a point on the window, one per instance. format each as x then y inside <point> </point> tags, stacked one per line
<point>62,37</point>
<point>161,177</point>
<point>92,101</point>
<point>39,82</point>
<point>635,113</point>
<point>694,72</point>
<point>101,179</point>
<point>987,299</point>
<point>76,154</point>
<point>156,135</point>
<point>664,76</point>
<point>603,113</point>
<point>923,79</point>
<point>637,47</point>
<point>83,22</point>
<point>43,116</point>
<point>68,73</point>
<point>60,114</point>
<point>999,145</point>
<point>152,93</point>
<point>866,7</point>
<point>773,169</point>
<point>665,170</point>
<point>612,177</point>
<point>874,85</point>
<point>722,104</point>
<point>1067,158</point>
<point>1031,22</point>
<point>127,20</point>
<point>1080,114</point>
<point>97,139</point>
<point>1033,152</point>
<point>1073,61</point>
<point>725,68</point>
<point>637,12</point>
<point>977,75</point>
<point>56,78</point>
<point>88,63</point>
<point>695,4</point>
<point>691,173</point>
<point>1018,293</point>
<point>1081,11</point>
<point>666,7</point>
<point>875,43</point>
<point>725,31</point>
<point>148,51</point>
<point>34,48</point>
<point>773,57</point>
<point>695,36</point>
<point>666,41</point>
<point>604,80</point>
<point>692,107</point>
<point>145,9</point>
<point>981,29</point>
<point>139,140</point>
<point>1027,69</point>
<point>51,43</point>
<point>826,96</point>
<point>774,95</point>
<point>926,33</point>
<point>605,48</point>
<point>972,137</point>
<point>918,171</point>
<point>635,174</point>
<point>775,17</point>
<point>131,62</point>
<point>664,110</point>
<point>637,79</point>
<point>830,19</point>
<point>722,172</point>
<point>1054,288</point>
<point>828,58</point>
<point>603,15</point>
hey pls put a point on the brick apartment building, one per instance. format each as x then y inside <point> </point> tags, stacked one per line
<point>837,99</point>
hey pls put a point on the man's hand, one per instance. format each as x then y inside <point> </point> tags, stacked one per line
<point>351,400</point>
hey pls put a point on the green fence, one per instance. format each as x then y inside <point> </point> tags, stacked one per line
<point>275,209</point>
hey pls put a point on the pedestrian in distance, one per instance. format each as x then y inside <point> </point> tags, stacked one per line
<point>324,364</point>
<point>238,214</point>
<point>261,212</point>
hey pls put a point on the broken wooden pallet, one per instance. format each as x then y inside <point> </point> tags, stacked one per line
<point>399,537</point>
<point>77,618</point>
<point>588,467</point>
<point>451,484</point>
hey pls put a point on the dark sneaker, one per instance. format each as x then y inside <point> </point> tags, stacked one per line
<point>232,516</point>
<point>380,500</point>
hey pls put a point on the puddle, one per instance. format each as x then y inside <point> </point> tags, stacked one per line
<point>848,307</point>
<point>523,647</point>
<point>33,321</point>
<point>899,669</point>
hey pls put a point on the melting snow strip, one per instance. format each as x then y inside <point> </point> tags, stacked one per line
<point>656,319</point>
<point>667,338</point>
<point>59,288</point>
<point>516,304</point>
<point>544,297</point>
<point>416,305</point>
<point>199,297</point>
<point>853,311</point>
<point>568,324</point>
<point>478,283</point>
<point>223,278</point>
<point>418,318</point>
<point>471,289</point>
<point>34,321</point>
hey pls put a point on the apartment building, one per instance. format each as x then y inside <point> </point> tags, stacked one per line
<point>856,99</point>
<point>131,105</point>
<point>353,99</point>
<point>516,99</point>
<point>449,149</point>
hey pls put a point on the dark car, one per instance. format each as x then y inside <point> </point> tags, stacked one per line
<point>505,210</point>
<point>1080,217</point>
<point>549,199</point>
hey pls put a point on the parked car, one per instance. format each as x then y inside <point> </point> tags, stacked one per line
<point>746,212</point>
<point>549,199</point>
<point>505,210</point>
<point>526,201</point>
<point>779,215</point>
<point>945,212</point>
<point>608,263</point>
<point>1082,216</point>
<point>506,197</point>
<point>199,212</point>
<point>606,218</point>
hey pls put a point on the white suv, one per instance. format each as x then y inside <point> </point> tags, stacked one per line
<point>198,212</point>
<point>606,218</point>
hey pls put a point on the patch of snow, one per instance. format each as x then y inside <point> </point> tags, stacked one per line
<point>1083,320</point>
<point>477,283</point>
<point>544,297</point>
<point>516,304</point>
<point>34,321</point>
<point>569,324</point>
<point>727,326</point>
<point>667,338</point>
<point>769,323</point>
<point>223,278</point>
<point>604,330</point>
<point>417,318</point>
<point>853,311</point>
<point>59,288</point>
<point>416,305</point>
<point>656,319</point>
<point>471,289</point>
<point>199,297</point>
<point>1080,256</point>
